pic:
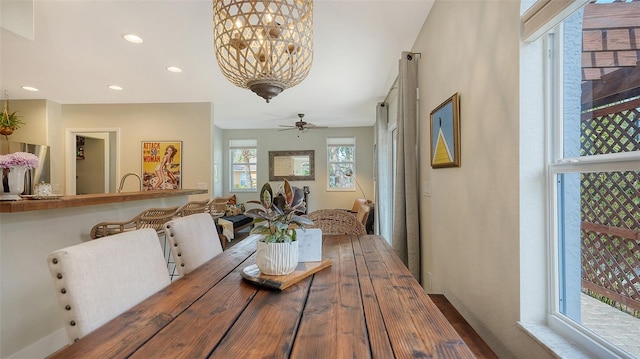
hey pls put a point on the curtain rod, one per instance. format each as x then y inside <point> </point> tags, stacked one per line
<point>393,86</point>
<point>395,82</point>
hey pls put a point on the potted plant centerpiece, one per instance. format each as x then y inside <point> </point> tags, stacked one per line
<point>14,167</point>
<point>9,121</point>
<point>276,221</point>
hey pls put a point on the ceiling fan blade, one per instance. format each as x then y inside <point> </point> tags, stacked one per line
<point>287,129</point>
<point>302,125</point>
<point>311,125</point>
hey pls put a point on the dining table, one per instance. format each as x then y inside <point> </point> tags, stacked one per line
<point>366,304</point>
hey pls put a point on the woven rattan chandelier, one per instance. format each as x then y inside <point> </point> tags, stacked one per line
<point>265,46</point>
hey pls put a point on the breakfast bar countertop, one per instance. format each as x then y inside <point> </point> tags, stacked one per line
<point>91,199</point>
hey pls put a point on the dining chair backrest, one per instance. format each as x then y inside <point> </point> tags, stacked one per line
<point>357,204</point>
<point>193,240</point>
<point>363,214</point>
<point>192,207</point>
<point>336,221</point>
<point>98,280</point>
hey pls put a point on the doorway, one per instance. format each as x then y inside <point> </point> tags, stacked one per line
<point>97,173</point>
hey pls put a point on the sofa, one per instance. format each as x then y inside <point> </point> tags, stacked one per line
<point>229,217</point>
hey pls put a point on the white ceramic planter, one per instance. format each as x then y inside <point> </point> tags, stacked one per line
<point>14,185</point>
<point>277,258</point>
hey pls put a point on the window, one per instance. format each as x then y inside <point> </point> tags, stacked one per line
<point>244,166</point>
<point>341,159</point>
<point>594,178</point>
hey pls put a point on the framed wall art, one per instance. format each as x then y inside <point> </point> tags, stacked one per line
<point>161,165</point>
<point>445,133</point>
<point>292,165</point>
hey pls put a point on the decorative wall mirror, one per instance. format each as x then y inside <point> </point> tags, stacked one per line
<point>292,165</point>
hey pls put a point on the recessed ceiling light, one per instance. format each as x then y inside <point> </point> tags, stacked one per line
<point>132,38</point>
<point>174,69</point>
<point>29,88</point>
<point>115,87</point>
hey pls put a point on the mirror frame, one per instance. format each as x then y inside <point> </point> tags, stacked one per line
<point>312,165</point>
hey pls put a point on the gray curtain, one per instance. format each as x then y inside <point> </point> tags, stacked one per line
<point>383,177</point>
<point>406,222</point>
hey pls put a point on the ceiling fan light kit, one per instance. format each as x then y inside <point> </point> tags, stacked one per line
<point>264,46</point>
<point>301,125</point>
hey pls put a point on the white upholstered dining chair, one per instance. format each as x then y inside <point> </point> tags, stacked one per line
<point>193,240</point>
<point>98,280</point>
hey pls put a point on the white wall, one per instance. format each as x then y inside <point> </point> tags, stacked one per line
<point>186,122</point>
<point>475,265</point>
<point>274,140</point>
<point>218,149</point>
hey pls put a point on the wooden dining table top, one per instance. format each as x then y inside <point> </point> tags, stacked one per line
<point>365,305</point>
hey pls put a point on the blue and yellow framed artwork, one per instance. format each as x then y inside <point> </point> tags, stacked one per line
<point>445,133</point>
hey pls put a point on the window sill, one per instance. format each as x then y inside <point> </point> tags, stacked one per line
<point>559,346</point>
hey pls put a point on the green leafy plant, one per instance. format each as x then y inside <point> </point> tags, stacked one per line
<point>9,119</point>
<point>278,218</point>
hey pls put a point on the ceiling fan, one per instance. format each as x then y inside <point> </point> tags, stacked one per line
<point>301,125</point>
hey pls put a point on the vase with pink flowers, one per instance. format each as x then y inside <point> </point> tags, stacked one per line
<point>14,168</point>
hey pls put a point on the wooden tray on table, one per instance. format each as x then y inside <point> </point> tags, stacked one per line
<point>281,282</point>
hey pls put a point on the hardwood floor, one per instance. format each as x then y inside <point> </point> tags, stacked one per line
<point>468,334</point>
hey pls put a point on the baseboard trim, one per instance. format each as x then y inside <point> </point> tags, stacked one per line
<point>468,334</point>
<point>43,347</point>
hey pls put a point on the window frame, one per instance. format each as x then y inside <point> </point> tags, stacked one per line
<point>556,166</point>
<point>235,144</point>
<point>341,142</point>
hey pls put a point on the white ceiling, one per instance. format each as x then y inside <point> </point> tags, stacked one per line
<point>78,51</point>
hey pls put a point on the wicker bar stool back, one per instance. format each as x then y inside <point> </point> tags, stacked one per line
<point>154,218</point>
<point>217,206</point>
<point>336,221</point>
<point>193,207</point>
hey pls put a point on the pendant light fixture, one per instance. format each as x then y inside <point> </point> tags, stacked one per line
<point>265,46</point>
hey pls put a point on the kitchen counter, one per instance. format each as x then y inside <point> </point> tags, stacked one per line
<point>91,199</point>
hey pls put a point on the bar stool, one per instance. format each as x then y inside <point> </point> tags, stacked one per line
<point>192,207</point>
<point>154,218</point>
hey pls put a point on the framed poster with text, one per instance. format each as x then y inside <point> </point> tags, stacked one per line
<point>161,165</point>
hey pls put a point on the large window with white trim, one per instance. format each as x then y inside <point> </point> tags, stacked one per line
<point>244,165</point>
<point>594,177</point>
<point>341,160</point>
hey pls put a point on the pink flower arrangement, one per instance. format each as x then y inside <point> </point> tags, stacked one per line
<point>24,159</point>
